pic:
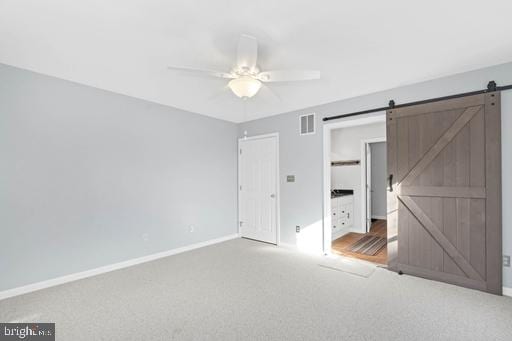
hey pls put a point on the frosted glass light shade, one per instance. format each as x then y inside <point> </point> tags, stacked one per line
<point>245,86</point>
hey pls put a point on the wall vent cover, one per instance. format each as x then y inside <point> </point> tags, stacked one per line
<point>307,124</point>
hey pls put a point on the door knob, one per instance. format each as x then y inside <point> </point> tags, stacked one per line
<point>272,196</point>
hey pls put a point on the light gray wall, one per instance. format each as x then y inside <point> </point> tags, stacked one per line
<point>379,174</point>
<point>85,173</point>
<point>301,202</point>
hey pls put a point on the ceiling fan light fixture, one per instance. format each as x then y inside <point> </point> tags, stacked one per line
<point>245,86</point>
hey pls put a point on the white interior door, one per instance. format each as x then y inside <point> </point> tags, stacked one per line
<point>368,187</point>
<point>258,174</point>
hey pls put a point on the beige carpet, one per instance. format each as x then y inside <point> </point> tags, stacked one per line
<point>244,290</point>
<point>349,265</point>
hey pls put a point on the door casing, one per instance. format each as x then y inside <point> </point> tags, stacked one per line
<point>365,144</point>
<point>327,129</point>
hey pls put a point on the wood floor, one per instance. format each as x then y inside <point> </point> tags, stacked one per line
<point>341,245</point>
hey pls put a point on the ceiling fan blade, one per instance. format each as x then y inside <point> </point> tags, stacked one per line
<point>266,88</point>
<point>203,72</point>
<point>247,53</point>
<point>288,75</point>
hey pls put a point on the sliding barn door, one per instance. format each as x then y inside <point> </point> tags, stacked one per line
<point>444,195</point>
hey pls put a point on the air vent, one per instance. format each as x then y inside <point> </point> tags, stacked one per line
<point>307,124</point>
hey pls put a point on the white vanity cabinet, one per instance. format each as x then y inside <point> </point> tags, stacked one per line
<point>342,211</point>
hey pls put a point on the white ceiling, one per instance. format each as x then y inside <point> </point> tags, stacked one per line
<point>359,46</point>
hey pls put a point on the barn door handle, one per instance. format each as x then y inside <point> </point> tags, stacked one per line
<point>390,182</point>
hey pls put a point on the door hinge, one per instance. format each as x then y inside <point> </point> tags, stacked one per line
<point>240,187</point>
<point>240,151</point>
<point>241,222</point>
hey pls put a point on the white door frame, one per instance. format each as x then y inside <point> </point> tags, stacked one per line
<point>328,127</point>
<point>278,177</point>
<point>365,143</point>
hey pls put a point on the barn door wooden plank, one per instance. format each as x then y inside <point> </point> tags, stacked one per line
<point>443,277</point>
<point>456,103</point>
<point>463,229</point>
<point>450,232</point>
<point>439,124</point>
<point>442,191</point>
<point>493,184</point>
<point>464,118</point>
<point>440,238</point>
<point>402,149</point>
<point>477,150</point>
<point>437,218</point>
<point>477,251</point>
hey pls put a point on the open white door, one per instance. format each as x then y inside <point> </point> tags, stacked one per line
<point>258,201</point>
<point>368,187</point>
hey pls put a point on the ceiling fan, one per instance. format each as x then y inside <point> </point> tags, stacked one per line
<point>246,77</point>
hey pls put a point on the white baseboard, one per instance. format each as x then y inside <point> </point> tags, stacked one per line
<point>507,291</point>
<point>107,268</point>
<point>381,217</point>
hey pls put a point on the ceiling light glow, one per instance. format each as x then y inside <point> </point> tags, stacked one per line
<point>245,86</point>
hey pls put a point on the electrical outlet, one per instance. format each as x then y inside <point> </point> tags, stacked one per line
<point>191,228</point>
<point>145,237</point>
<point>506,260</point>
<point>297,229</point>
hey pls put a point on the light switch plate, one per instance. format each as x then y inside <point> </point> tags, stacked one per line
<point>506,260</point>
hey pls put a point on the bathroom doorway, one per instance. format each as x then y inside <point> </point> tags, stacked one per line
<point>356,183</point>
